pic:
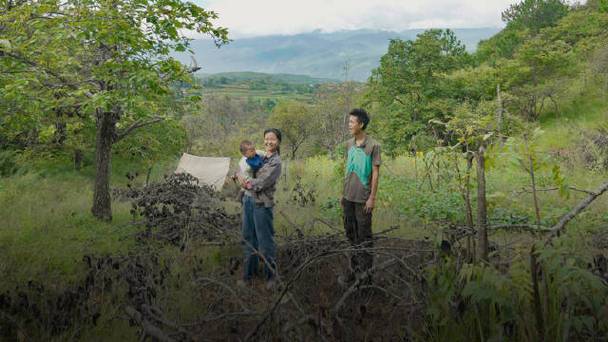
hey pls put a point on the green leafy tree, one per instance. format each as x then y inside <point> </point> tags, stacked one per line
<point>473,84</point>
<point>524,20</point>
<point>537,74</point>
<point>526,156</point>
<point>150,146</point>
<point>104,60</point>
<point>408,88</point>
<point>222,122</point>
<point>535,14</point>
<point>501,45</point>
<point>476,127</point>
<point>295,121</point>
<point>331,107</point>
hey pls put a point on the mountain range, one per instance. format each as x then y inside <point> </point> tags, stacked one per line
<point>316,54</point>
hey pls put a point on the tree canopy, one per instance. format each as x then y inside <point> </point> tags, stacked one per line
<point>105,63</point>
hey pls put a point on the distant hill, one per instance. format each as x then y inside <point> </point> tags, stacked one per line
<point>244,76</point>
<point>317,54</point>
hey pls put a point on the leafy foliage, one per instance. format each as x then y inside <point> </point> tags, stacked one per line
<point>480,302</point>
<point>96,61</point>
<point>535,14</point>
<point>295,122</point>
<point>407,89</point>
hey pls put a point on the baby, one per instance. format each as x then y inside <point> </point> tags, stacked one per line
<point>251,162</point>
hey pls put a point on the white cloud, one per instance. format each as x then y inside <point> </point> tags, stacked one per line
<point>261,17</point>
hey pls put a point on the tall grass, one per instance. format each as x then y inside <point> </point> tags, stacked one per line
<point>46,226</point>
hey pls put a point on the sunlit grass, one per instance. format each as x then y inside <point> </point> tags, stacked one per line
<point>47,228</point>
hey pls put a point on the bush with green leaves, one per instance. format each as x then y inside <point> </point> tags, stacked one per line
<point>482,302</point>
<point>415,198</point>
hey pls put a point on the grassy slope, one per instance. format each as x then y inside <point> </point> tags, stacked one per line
<point>405,200</point>
<point>46,223</point>
<point>47,228</point>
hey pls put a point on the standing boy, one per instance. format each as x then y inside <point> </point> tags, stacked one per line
<point>360,189</point>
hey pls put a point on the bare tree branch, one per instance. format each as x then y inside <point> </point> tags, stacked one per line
<point>555,189</point>
<point>148,328</point>
<point>532,228</point>
<point>355,286</point>
<point>137,124</point>
<point>37,66</point>
<point>557,229</point>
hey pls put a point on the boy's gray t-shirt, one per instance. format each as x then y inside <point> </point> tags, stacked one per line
<point>359,164</point>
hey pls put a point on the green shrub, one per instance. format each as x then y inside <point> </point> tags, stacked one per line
<point>481,302</point>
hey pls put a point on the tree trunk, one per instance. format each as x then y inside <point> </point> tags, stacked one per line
<point>467,193</point>
<point>533,181</point>
<point>61,133</point>
<point>415,168</point>
<point>78,156</point>
<point>499,109</point>
<point>482,214</point>
<point>148,175</point>
<point>102,206</point>
<point>538,313</point>
<point>468,207</point>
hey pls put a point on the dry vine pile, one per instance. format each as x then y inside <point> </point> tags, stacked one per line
<point>37,311</point>
<point>179,209</point>
<point>310,303</point>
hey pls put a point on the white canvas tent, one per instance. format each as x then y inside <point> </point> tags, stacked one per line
<point>208,170</point>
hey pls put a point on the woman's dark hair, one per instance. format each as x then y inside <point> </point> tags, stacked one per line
<point>361,115</point>
<point>277,133</point>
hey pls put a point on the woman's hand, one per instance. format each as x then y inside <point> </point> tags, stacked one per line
<point>243,181</point>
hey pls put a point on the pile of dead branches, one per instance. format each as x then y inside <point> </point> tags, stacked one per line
<point>312,299</point>
<point>178,210</point>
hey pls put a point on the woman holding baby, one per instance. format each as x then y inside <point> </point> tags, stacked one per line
<point>258,203</point>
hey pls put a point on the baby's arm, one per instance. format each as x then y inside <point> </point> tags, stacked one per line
<point>243,169</point>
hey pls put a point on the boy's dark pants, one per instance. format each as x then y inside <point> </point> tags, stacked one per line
<point>358,227</point>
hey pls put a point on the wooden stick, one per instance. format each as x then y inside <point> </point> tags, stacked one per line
<point>148,328</point>
<point>557,229</point>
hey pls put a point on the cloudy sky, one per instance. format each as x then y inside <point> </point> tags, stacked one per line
<point>262,17</point>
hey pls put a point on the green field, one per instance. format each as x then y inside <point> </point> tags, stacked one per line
<point>262,87</point>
